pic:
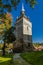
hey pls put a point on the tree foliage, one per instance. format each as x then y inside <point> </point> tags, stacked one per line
<point>5,23</point>
<point>7,20</point>
<point>9,35</point>
<point>8,31</point>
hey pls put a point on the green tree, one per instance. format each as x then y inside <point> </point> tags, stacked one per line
<point>5,23</point>
<point>7,30</point>
<point>8,37</point>
<point>32,2</point>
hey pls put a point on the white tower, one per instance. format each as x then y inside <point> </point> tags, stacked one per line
<point>24,29</point>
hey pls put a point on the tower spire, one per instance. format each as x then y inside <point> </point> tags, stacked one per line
<point>23,10</point>
<point>23,7</point>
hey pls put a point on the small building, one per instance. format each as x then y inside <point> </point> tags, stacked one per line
<point>24,30</point>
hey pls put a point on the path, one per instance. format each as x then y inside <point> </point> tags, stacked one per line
<point>18,60</point>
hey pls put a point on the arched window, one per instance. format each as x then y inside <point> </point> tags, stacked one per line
<point>27,28</point>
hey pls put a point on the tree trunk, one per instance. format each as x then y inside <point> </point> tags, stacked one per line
<point>3,49</point>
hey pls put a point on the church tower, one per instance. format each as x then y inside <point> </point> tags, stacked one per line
<point>24,30</point>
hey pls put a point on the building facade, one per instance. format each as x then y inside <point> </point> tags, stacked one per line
<point>24,30</point>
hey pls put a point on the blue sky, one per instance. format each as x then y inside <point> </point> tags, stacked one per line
<point>36,17</point>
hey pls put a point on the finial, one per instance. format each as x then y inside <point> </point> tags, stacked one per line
<point>23,7</point>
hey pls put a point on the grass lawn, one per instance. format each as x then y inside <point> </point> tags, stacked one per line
<point>6,60</point>
<point>34,58</point>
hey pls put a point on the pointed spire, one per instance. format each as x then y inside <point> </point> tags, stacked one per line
<point>23,7</point>
<point>23,10</point>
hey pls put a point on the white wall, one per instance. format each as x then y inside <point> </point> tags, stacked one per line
<point>27,27</point>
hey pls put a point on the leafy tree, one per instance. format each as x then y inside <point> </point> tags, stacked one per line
<point>32,3</point>
<point>8,37</point>
<point>7,33</point>
<point>5,23</point>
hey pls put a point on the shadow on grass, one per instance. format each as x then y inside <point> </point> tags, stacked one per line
<point>6,60</point>
<point>6,63</point>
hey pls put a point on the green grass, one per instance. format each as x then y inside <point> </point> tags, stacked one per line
<point>34,58</point>
<point>6,60</point>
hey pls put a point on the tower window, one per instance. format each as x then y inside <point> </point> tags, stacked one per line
<point>27,27</point>
<point>28,44</point>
